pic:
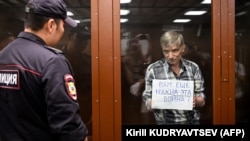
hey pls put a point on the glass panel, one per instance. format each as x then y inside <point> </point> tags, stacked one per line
<point>146,21</point>
<point>77,48</point>
<point>242,56</point>
<point>78,51</point>
<point>75,44</point>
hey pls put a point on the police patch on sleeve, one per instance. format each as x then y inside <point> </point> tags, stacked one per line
<point>9,79</point>
<point>70,86</point>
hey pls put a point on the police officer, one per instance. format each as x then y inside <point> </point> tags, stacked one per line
<point>38,99</point>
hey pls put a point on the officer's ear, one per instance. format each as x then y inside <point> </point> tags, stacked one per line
<point>51,25</point>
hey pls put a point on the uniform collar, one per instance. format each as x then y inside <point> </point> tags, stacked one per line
<point>32,37</point>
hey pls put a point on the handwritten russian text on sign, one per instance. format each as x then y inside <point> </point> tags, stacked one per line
<point>172,94</point>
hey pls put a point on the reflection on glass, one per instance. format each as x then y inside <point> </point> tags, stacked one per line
<point>242,65</point>
<point>147,20</point>
<point>78,51</point>
<point>76,45</point>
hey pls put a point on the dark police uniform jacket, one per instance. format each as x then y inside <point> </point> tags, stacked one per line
<point>38,100</point>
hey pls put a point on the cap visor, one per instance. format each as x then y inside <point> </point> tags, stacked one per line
<point>69,21</point>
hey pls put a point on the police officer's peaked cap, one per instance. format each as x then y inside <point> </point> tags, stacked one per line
<point>50,8</point>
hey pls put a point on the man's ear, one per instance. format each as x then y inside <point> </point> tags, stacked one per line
<point>183,47</point>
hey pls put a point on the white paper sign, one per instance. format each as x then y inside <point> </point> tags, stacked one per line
<point>172,94</point>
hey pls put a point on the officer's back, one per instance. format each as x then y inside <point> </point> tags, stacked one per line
<point>38,99</point>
